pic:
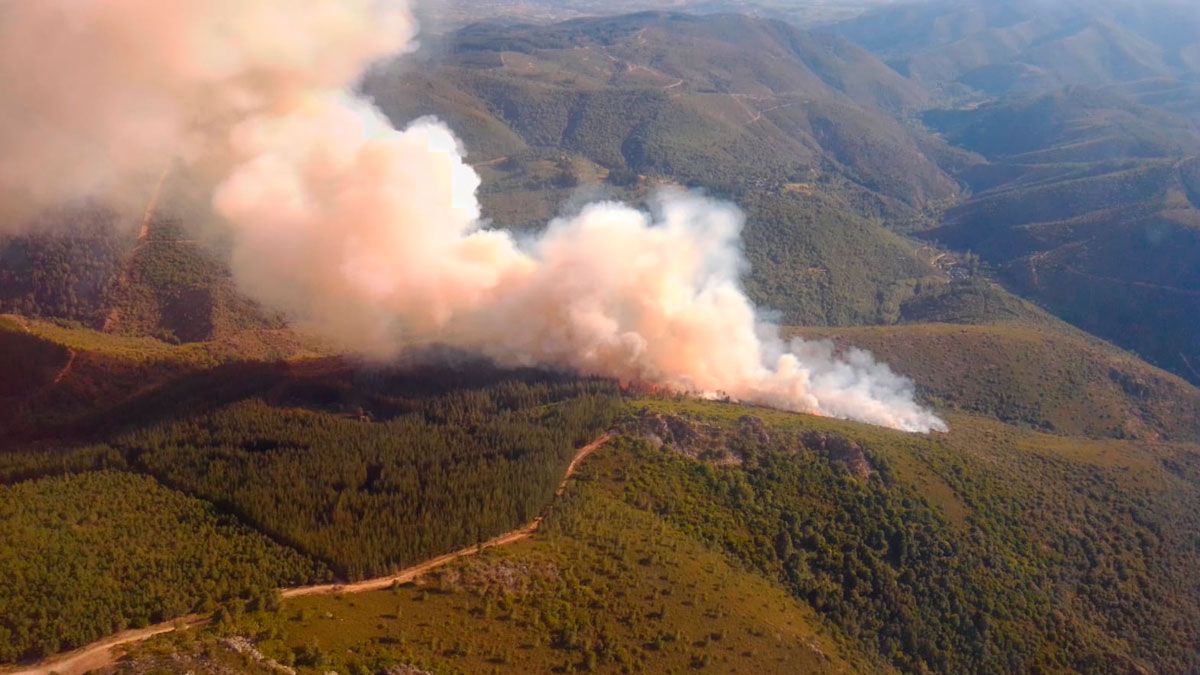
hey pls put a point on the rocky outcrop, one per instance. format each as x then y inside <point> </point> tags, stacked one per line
<point>404,669</point>
<point>688,435</point>
<point>709,441</point>
<point>753,429</point>
<point>246,647</point>
<point>841,450</point>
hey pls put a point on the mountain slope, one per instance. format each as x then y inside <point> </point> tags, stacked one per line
<point>793,126</point>
<point>796,126</point>
<point>1073,125</point>
<point>604,587</point>
<point>798,12</point>
<point>1087,202</point>
<point>64,272</point>
<point>1053,528</point>
<point>987,549</point>
<point>1024,46</point>
<point>1022,373</point>
<point>162,281</point>
<point>724,101</point>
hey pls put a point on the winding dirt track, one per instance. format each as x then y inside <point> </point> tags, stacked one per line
<point>71,353</point>
<point>66,369</point>
<point>104,652</point>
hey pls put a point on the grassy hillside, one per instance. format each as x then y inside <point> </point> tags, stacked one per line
<point>1068,126</point>
<point>969,298</point>
<point>607,588</point>
<point>917,530</point>
<point>633,92</point>
<point>63,381</point>
<point>944,553</point>
<point>55,376</point>
<point>797,247</point>
<point>1177,96</point>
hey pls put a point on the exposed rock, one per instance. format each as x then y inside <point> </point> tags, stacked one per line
<point>754,428</point>
<point>247,648</point>
<point>404,669</point>
<point>502,577</point>
<point>692,437</point>
<point>1131,383</point>
<point>841,450</point>
<point>711,442</point>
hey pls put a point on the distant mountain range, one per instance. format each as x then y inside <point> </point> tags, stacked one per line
<point>1089,203</point>
<point>1001,47</point>
<point>800,12</point>
<point>1084,117</point>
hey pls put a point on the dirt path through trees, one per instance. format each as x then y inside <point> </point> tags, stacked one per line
<point>104,652</point>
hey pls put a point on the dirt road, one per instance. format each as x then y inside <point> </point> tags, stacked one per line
<point>71,353</point>
<point>66,369</point>
<point>101,654</point>
<point>408,574</point>
<point>105,652</point>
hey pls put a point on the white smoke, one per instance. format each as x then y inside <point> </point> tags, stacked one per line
<point>101,95</point>
<point>372,235</point>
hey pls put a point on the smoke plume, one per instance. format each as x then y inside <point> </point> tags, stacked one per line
<point>372,235</point>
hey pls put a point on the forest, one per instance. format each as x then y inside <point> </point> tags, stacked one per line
<point>1018,575</point>
<point>91,554</point>
<point>199,511</point>
<point>754,539</point>
<point>368,498</point>
<point>68,277</point>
